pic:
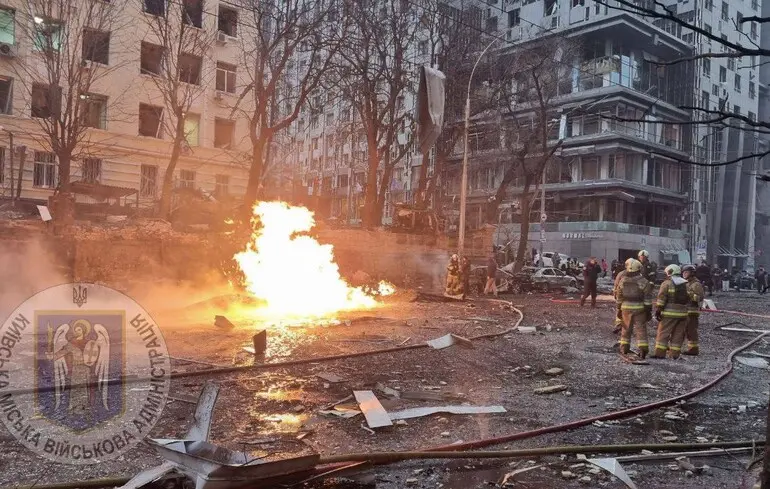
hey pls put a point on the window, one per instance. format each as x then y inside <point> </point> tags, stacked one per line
<point>192,132</point>
<point>91,171</point>
<point>314,121</point>
<point>221,184</point>
<point>514,17</point>
<point>192,12</point>
<point>45,100</point>
<point>155,7</point>
<point>422,47</point>
<point>96,46</point>
<point>753,30</point>
<point>725,11</point>
<point>578,3</point>
<point>709,5</point>
<point>752,90</point>
<point>190,68</point>
<point>44,171</point>
<point>731,64</point>
<point>93,110</point>
<point>715,90</point>
<point>186,179</point>
<point>223,133</point>
<point>7,26</point>
<point>150,118</point>
<point>329,119</point>
<point>739,21</point>
<point>707,28</point>
<point>225,77</point>
<point>47,35</point>
<point>737,83</point>
<point>227,21</point>
<point>722,74</point>
<point>755,4</point>
<point>6,95</point>
<point>705,99</point>
<point>148,183</point>
<point>151,59</point>
<point>752,116</point>
<point>342,181</point>
<point>706,67</point>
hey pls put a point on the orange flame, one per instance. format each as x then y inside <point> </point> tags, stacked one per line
<point>294,274</point>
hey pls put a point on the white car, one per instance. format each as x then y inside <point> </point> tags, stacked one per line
<point>548,258</point>
<point>550,278</point>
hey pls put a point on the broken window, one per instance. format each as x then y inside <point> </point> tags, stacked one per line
<point>192,12</point>
<point>44,170</point>
<point>7,26</point>
<point>192,133</point>
<point>227,21</point>
<point>151,59</point>
<point>6,95</point>
<point>91,171</point>
<point>45,100</point>
<point>225,77</point>
<point>222,182</point>
<point>186,179</point>
<point>96,46</point>
<point>190,68</point>
<point>149,181</point>
<point>514,18</point>
<point>48,34</point>
<point>93,110</point>
<point>150,118</point>
<point>155,7</point>
<point>223,133</point>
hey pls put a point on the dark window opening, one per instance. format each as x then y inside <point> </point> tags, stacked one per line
<point>223,133</point>
<point>155,7</point>
<point>149,181</point>
<point>190,68</point>
<point>45,100</point>
<point>6,95</point>
<point>91,171</point>
<point>93,110</point>
<point>228,21</point>
<point>96,46</point>
<point>192,12</point>
<point>151,59</point>
<point>150,118</point>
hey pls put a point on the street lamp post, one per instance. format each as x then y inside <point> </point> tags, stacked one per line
<point>464,180</point>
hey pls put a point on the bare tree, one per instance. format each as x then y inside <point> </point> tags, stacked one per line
<point>528,88</point>
<point>63,77</point>
<point>288,47</point>
<point>454,34</point>
<point>175,55</point>
<point>376,73</point>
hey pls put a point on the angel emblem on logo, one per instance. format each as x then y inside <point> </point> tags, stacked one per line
<point>80,358</point>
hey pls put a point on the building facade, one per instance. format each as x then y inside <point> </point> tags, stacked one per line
<point>127,141</point>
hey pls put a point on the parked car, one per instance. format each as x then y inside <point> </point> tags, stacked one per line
<point>548,258</point>
<point>745,281</point>
<point>550,278</point>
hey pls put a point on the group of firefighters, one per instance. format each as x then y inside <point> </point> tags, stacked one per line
<point>676,308</point>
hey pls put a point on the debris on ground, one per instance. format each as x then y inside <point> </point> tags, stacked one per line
<point>551,389</point>
<point>427,411</point>
<point>448,340</point>
<point>375,414</point>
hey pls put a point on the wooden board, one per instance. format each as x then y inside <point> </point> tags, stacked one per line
<point>375,414</point>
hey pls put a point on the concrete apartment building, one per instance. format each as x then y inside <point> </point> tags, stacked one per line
<point>127,142</point>
<point>615,186</point>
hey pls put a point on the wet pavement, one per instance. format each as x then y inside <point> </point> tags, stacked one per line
<point>276,411</point>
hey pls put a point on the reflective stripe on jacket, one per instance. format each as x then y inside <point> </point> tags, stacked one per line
<point>673,298</point>
<point>631,292</point>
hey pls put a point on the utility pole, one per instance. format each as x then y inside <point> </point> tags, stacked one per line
<point>543,217</point>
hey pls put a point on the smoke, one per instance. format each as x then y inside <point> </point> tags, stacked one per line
<point>26,268</point>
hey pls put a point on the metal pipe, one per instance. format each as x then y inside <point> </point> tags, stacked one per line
<point>464,179</point>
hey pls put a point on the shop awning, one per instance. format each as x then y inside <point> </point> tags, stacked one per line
<point>732,252</point>
<point>99,191</point>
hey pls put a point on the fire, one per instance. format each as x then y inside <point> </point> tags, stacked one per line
<point>294,274</point>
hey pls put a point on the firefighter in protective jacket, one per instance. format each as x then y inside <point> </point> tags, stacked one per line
<point>696,292</point>
<point>619,314</point>
<point>632,291</point>
<point>671,313</point>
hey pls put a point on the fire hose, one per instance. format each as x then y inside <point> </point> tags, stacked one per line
<point>343,464</point>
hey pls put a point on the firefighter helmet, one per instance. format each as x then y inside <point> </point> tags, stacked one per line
<point>688,268</point>
<point>673,270</point>
<point>644,253</point>
<point>633,265</point>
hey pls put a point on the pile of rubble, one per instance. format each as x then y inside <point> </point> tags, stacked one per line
<point>136,229</point>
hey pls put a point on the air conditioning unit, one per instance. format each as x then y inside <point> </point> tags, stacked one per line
<point>8,50</point>
<point>222,37</point>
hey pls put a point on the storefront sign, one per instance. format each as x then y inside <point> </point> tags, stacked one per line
<point>581,236</point>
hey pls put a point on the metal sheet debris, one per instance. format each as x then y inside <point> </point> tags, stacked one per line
<point>375,414</point>
<point>390,392</point>
<point>149,476</point>
<point>259,341</point>
<point>527,329</point>
<point>222,322</point>
<point>612,466</point>
<point>551,389</point>
<point>330,377</point>
<point>448,340</point>
<point>427,411</point>
<point>755,362</point>
<point>203,413</point>
<point>508,478</point>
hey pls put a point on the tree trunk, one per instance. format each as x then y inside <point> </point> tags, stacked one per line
<point>526,204</point>
<point>369,218</point>
<point>164,206</point>
<point>421,195</point>
<point>22,157</point>
<point>64,172</point>
<point>255,174</point>
<point>494,204</point>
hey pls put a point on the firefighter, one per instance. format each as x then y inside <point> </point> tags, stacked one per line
<point>618,314</point>
<point>696,292</point>
<point>454,283</point>
<point>671,314</point>
<point>649,268</point>
<point>632,290</point>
